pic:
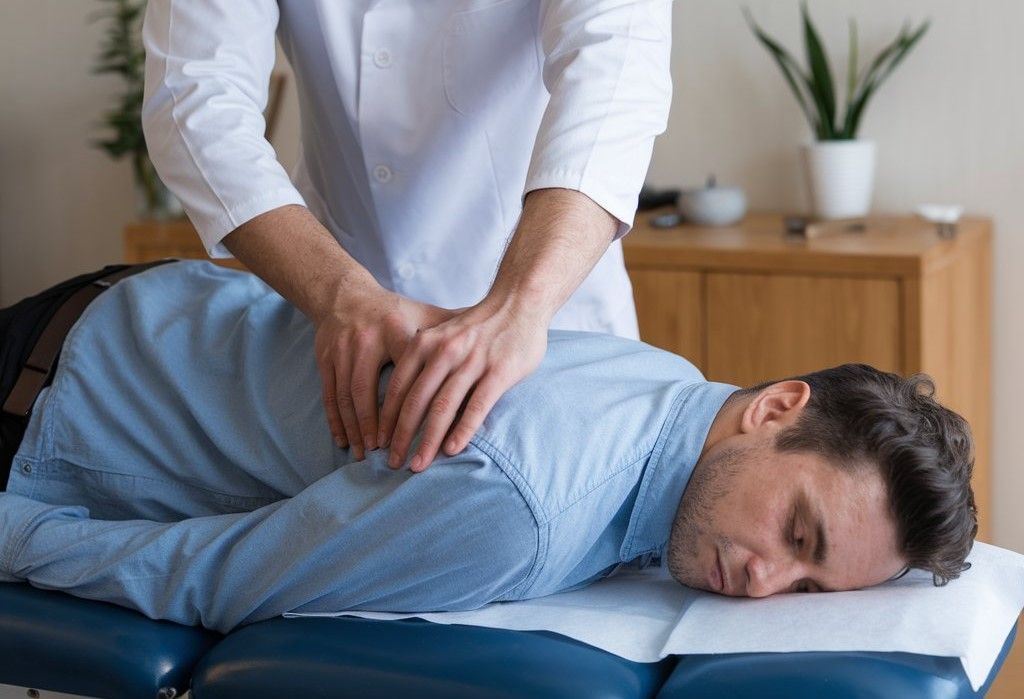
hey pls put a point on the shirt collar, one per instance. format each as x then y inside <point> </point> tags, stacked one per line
<point>671,464</point>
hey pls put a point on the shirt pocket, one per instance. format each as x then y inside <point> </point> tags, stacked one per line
<point>491,53</point>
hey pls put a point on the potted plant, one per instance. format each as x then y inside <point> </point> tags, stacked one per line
<point>839,166</point>
<point>122,53</point>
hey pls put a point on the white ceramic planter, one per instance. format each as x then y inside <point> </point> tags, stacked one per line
<point>840,176</point>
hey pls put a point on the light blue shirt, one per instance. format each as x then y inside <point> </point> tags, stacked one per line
<point>181,465</point>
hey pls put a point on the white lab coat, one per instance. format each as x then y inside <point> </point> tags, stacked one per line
<point>424,124</point>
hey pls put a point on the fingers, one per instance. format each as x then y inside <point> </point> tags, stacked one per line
<point>363,391</point>
<point>347,409</point>
<point>479,353</point>
<point>441,414</point>
<point>329,395</point>
<point>406,370</point>
<point>415,403</point>
<point>489,389</point>
<point>350,363</point>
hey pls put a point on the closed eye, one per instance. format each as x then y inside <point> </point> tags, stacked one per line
<point>796,539</point>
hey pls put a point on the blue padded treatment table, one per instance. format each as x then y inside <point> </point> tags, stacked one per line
<point>54,641</point>
<point>848,675</point>
<point>353,657</point>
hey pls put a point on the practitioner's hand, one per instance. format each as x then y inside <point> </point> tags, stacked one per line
<point>470,360</point>
<point>353,343</point>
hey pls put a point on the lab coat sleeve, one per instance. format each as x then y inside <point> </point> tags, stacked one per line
<point>307,553</point>
<point>208,68</point>
<point>606,66</point>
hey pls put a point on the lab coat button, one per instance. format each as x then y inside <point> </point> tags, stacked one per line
<point>382,58</point>
<point>382,173</point>
<point>406,270</point>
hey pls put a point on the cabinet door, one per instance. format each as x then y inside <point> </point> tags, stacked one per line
<point>765,326</point>
<point>670,310</point>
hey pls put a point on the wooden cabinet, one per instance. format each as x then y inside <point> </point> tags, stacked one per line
<point>748,304</point>
<point>145,241</point>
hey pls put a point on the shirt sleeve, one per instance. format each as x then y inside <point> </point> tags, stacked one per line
<point>208,68</point>
<point>606,65</point>
<point>455,537</point>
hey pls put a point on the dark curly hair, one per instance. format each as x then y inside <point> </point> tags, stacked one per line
<point>924,451</point>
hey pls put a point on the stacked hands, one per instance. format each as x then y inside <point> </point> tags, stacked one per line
<point>451,366</point>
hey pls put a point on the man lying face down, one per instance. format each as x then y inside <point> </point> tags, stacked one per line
<point>180,464</point>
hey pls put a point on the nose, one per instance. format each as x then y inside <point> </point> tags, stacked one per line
<point>767,577</point>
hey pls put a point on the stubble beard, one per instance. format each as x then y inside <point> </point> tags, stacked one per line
<point>695,517</point>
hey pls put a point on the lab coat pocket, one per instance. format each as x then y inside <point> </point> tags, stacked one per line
<point>491,52</point>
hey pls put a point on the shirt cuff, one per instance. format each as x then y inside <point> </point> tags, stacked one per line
<point>18,516</point>
<point>615,204</point>
<point>213,229</point>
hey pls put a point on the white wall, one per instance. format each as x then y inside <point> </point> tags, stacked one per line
<point>61,202</point>
<point>948,125</point>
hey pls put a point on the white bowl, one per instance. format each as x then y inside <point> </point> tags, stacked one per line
<point>713,206</point>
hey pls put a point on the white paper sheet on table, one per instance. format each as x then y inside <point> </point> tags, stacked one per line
<point>644,615</point>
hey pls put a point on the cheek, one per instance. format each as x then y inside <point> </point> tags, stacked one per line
<point>752,514</point>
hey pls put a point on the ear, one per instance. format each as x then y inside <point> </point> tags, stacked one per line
<point>776,406</point>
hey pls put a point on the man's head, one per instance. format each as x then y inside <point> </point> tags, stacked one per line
<point>835,480</point>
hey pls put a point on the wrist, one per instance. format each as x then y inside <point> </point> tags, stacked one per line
<point>333,294</point>
<point>530,302</point>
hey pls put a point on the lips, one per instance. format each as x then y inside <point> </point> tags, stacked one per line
<point>725,578</point>
<point>716,580</point>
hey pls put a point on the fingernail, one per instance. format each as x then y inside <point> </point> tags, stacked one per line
<point>417,463</point>
<point>451,446</point>
<point>370,443</point>
<point>394,461</point>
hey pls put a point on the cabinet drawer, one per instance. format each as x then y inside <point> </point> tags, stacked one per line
<point>767,326</point>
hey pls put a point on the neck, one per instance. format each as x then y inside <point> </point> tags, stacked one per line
<point>727,422</point>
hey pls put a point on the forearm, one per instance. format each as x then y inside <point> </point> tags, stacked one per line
<point>358,538</point>
<point>293,253</point>
<point>560,237</point>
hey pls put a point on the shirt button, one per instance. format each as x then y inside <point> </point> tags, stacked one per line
<point>406,270</point>
<point>382,58</point>
<point>382,173</point>
<point>26,468</point>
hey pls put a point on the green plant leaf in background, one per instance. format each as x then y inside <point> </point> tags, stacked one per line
<point>881,69</point>
<point>121,53</point>
<point>799,83</point>
<point>851,65</point>
<point>814,88</point>
<point>821,75</point>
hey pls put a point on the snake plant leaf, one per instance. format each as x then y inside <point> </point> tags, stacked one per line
<point>851,65</point>
<point>858,101</point>
<point>790,70</point>
<point>904,48</point>
<point>882,67</point>
<point>121,52</point>
<point>821,74</point>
